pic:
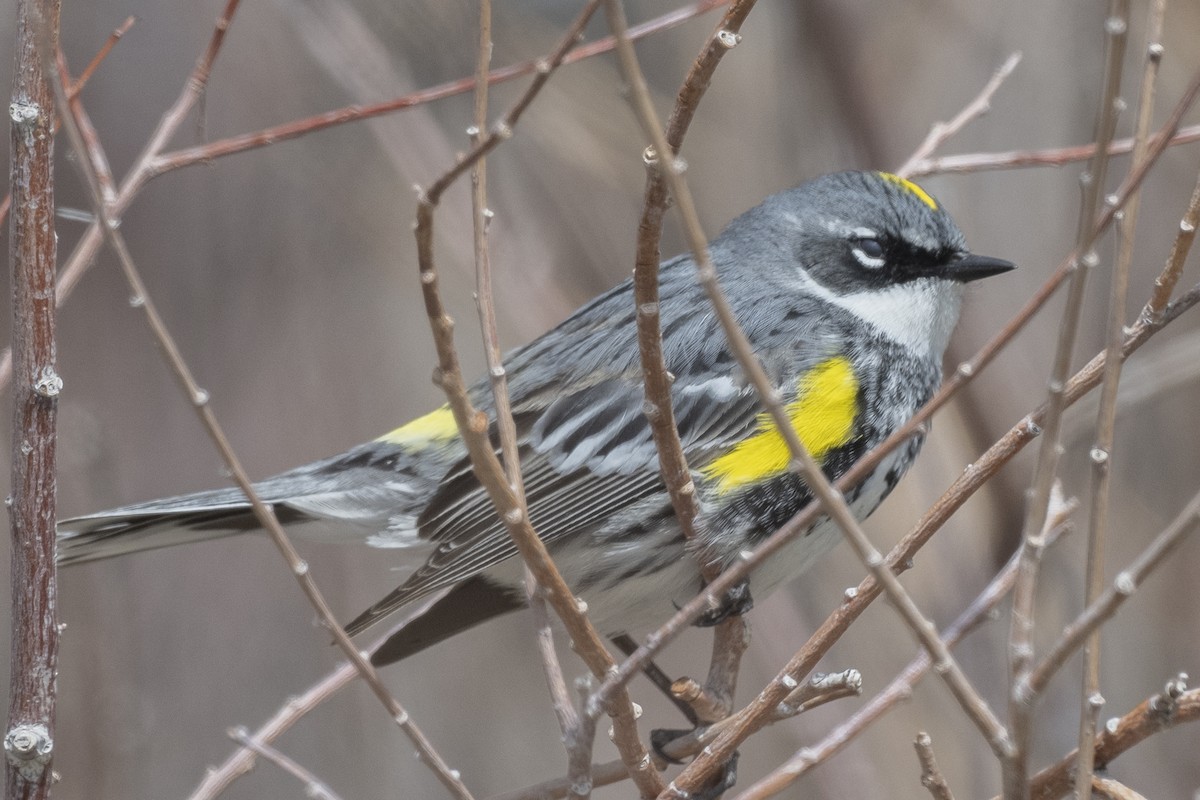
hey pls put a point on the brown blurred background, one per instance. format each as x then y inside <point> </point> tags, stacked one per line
<point>288,275</point>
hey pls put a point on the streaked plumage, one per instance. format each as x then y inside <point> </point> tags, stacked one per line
<point>848,288</point>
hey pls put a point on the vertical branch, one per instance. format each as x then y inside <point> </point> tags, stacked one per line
<point>29,738</point>
<point>577,742</point>
<point>731,636</point>
<point>1101,453</point>
<point>1038,496</point>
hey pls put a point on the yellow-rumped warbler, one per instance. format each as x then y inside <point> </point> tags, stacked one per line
<point>847,286</point>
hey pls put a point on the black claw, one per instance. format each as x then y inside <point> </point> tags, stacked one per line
<point>724,781</point>
<point>737,601</point>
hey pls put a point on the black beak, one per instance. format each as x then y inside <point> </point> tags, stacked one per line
<point>972,267</point>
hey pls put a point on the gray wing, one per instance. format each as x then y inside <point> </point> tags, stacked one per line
<point>588,450</point>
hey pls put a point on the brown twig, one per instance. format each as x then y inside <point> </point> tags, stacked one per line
<point>263,513</point>
<point>1015,770</point>
<point>314,787</point>
<point>821,689</point>
<point>242,761</point>
<point>578,731</point>
<point>1106,605</point>
<point>199,154</point>
<point>931,775</point>
<point>33,670</point>
<point>1164,284</point>
<point>1110,789</point>
<point>473,427</point>
<point>731,636</point>
<point>76,87</point>
<point>979,611</point>
<point>1048,157</point>
<point>1091,701</point>
<point>152,162</point>
<point>85,250</point>
<point>1176,705</point>
<point>942,131</point>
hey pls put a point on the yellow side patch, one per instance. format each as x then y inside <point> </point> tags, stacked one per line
<point>823,415</point>
<point>911,188</point>
<point>433,426</point>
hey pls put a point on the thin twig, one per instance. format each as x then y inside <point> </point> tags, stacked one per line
<point>263,513</point>
<point>1164,284</point>
<point>1106,605</point>
<point>313,786</point>
<point>942,131</point>
<point>242,761</point>
<point>289,130</point>
<point>1048,157</point>
<point>152,162</point>
<point>85,250</point>
<point>731,636</point>
<point>931,775</point>
<point>473,428</point>
<point>76,87</point>
<point>32,682</point>
<point>1175,706</point>
<point>577,733</point>
<point>1110,789</point>
<point>1101,453</point>
<point>980,610</point>
<point>1037,497</point>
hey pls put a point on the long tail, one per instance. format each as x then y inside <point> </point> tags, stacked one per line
<point>160,523</point>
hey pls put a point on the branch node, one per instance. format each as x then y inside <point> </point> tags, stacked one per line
<point>48,384</point>
<point>728,39</point>
<point>24,113</point>
<point>28,748</point>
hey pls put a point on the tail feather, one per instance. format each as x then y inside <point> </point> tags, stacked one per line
<point>161,523</point>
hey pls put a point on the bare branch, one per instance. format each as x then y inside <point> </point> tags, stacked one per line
<point>942,131</point>
<point>931,775</point>
<point>32,680</point>
<point>1105,606</point>
<point>1164,284</point>
<point>1101,453</point>
<point>1176,705</point>
<point>263,513</point>
<point>1048,157</point>
<point>313,786</point>
<point>290,130</point>
<point>473,427</point>
<point>980,610</point>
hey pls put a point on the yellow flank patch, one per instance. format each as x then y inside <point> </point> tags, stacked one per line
<point>823,415</point>
<point>911,188</point>
<point>433,426</point>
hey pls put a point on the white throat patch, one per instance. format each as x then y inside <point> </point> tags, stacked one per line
<point>918,315</point>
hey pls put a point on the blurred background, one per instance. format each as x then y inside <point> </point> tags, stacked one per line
<point>288,275</point>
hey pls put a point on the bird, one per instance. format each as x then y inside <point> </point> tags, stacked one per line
<point>847,286</point>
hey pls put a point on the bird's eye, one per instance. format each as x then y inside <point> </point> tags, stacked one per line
<point>869,253</point>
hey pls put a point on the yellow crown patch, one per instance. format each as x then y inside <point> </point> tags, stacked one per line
<point>911,188</point>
